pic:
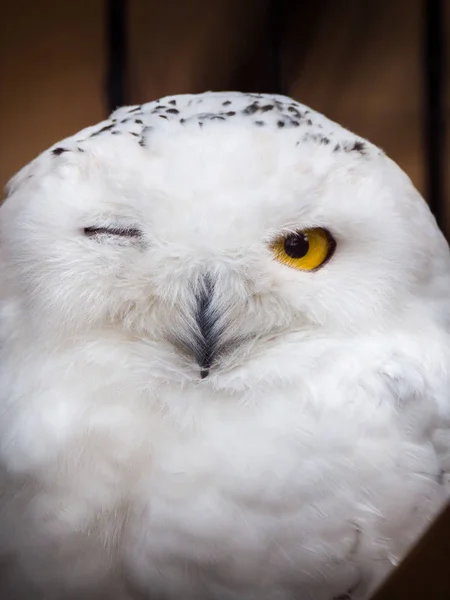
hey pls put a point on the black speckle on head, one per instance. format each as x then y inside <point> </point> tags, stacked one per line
<point>116,132</point>
<point>230,113</point>
<point>259,123</point>
<point>172,111</point>
<point>309,122</point>
<point>125,120</point>
<point>294,110</point>
<point>132,110</point>
<point>280,124</point>
<point>138,121</point>
<point>251,109</point>
<point>226,103</point>
<point>182,121</point>
<point>313,137</point>
<point>358,147</point>
<point>106,128</point>
<point>133,133</point>
<point>58,151</point>
<point>295,123</point>
<point>200,123</point>
<point>80,149</point>
<point>162,117</point>
<point>337,148</point>
<point>173,102</point>
<point>158,108</point>
<point>267,107</point>
<point>324,140</point>
<point>217,118</point>
<point>142,142</point>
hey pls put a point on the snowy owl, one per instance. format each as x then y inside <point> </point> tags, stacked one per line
<point>225,359</point>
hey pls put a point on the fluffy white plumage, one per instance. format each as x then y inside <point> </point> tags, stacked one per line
<point>318,447</point>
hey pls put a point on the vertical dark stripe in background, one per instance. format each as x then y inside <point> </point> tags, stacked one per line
<point>276,22</point>
<point>116,83</point>
<point>434,84</point>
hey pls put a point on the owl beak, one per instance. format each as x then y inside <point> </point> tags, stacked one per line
<point>201,333</point>
<point>206,336</point>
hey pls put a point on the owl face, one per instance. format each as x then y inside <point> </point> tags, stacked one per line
<point>207,232</point>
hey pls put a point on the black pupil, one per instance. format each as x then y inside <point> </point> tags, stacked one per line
<point>296,245</point>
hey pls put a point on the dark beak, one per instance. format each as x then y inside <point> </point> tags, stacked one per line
<point>207,334</point>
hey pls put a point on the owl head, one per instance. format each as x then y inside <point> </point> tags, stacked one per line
<point>211,223</point>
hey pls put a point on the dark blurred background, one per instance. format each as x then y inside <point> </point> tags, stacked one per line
<point>378,67</point>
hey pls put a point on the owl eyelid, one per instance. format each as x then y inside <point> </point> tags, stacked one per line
<point>130,232</point>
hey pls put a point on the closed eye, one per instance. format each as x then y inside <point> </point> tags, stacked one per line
<point>123,232</point>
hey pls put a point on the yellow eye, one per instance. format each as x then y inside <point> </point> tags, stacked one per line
<point>305,250</point>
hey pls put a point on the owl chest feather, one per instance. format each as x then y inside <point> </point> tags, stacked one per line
<point>301,484</point>
<point>246,488</point>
